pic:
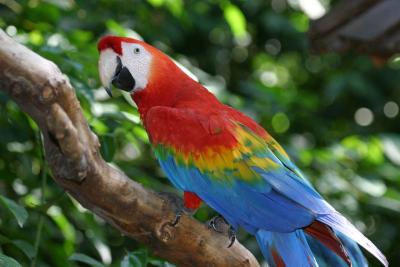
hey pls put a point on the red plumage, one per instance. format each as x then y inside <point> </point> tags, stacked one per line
<point>191,200</point>
<point>209,116</point>
<point>327,237</point>
<point>169,86</point>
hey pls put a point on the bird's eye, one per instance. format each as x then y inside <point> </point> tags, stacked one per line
<point>136,50</point>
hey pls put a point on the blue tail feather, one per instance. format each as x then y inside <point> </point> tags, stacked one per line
<point>354,251</point>
<point>340,224</point>
<point>291,249</point>
<point>300,249</point>
<point>326,258</point>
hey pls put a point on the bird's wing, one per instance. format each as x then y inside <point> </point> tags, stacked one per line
<point>232,169</point>
<point>281,154</point>
<point>247,178</point>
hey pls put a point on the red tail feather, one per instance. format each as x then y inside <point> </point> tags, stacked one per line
<point>327,237</point>
<point>277,258</point>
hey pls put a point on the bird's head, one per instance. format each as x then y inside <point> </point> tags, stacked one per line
<point>125,63</point>
<point>149,75</point>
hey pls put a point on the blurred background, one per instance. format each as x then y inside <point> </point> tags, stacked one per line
<point>337,115</point>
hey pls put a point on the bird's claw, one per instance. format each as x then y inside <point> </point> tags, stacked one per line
<point>178,216</point>
<point>177,205</point>
<point>231,236</point>
<point>215,224</point>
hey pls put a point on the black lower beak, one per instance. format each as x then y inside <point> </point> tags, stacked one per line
<point>123,79</point>
<point>108,90</point>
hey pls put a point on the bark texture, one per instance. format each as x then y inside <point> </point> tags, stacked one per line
<point>72,152</point>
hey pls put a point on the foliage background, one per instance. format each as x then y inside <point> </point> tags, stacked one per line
<point>255,56</point>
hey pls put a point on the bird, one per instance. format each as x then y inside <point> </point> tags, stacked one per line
<point>218,155</point>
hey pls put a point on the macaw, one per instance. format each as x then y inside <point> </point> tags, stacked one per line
<point>216,154</point>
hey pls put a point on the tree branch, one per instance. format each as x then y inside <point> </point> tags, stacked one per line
<point>72,151</point>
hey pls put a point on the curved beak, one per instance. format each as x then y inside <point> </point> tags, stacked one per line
<point>122,78</point>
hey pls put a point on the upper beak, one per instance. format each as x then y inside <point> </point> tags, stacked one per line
<point>122,78</point>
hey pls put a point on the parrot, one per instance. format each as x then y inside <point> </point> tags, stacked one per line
<point>218,155</point>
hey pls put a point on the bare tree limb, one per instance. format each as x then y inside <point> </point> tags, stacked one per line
<point>72,151</point>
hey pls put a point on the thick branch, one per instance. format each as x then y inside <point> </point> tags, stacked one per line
<point>72,151</point>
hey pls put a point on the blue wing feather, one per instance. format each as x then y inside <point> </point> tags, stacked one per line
<point>249,206</point>
<point>288,184</point>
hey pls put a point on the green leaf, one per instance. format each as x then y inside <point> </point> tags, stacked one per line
<point>160,263</point>
<point>4,239</point>
<point>85,259</point>
<point>236,20</point>
<point>115,27</point>
<point>156,3</point>
<point>25,247</point>
<point>135,259</point>
<point>17,210</point>
<point>65,226</point>
<point>6,261</point>
<point>107,147</point>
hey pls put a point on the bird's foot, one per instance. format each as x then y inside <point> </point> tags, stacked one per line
<point>220,225</point>
<point>177,204</point>
<point>178,216</point>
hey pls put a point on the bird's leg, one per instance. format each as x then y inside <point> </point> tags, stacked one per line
<point>178,206</point>
<point>220,225</point>
<point>182,210</point>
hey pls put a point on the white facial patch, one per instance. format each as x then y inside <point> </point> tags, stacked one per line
<point>138,60</point>
<point>107,66</point>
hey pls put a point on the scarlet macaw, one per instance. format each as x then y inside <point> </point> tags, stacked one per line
<point>216,154</point>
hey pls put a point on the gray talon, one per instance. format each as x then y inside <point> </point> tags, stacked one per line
<point>220,225</point>
<point>215,224</point>
<point>177,219</point>
<point>231,236</point>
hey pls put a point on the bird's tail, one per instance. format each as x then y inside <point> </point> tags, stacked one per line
<point>326,258</point>
<point>340,224</point>
<point>285,249</point>
<point>315,245</point>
